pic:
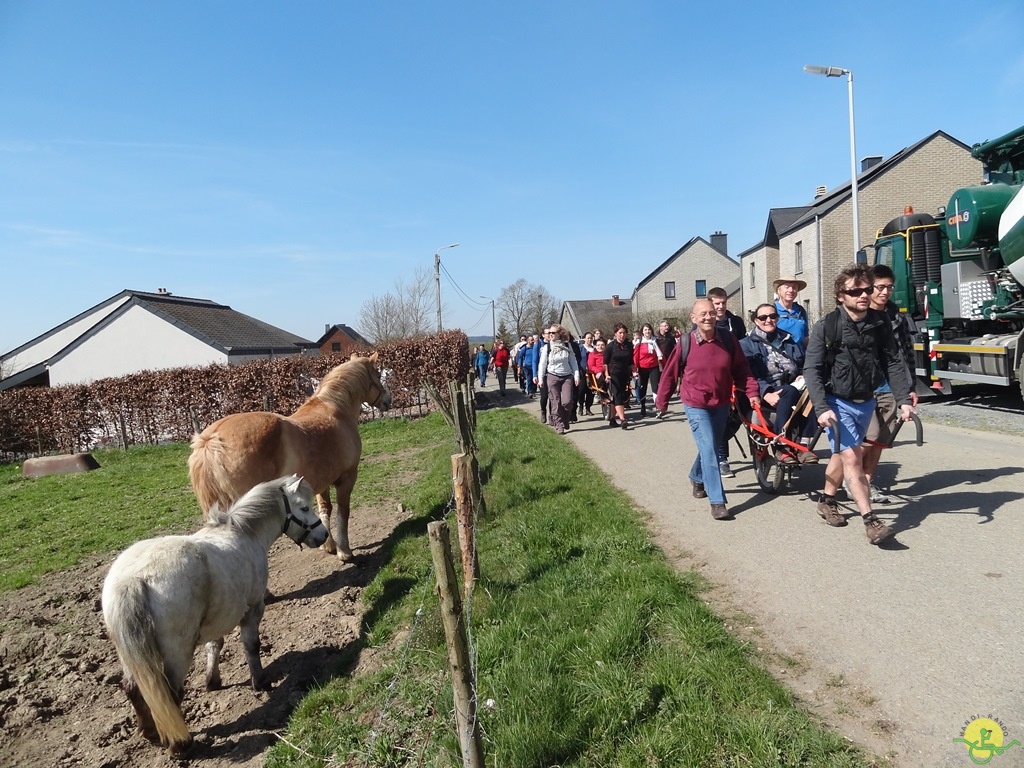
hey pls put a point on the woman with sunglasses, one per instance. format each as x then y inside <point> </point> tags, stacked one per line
<point>777,361</point>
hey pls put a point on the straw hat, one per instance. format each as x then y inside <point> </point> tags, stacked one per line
<point>800,284</point>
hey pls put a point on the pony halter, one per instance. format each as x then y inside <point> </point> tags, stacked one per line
<point>290,518</point>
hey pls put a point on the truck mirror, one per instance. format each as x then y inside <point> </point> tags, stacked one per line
<point>862,256</point>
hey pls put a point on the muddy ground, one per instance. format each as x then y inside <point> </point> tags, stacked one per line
<point>60,700</point>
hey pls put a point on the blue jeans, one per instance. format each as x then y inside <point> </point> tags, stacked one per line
<point>708,427</point>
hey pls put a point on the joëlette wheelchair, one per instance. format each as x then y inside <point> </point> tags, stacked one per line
<point>767,447</point>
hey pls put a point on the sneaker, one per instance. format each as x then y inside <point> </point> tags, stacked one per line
<point>877,497</point>
<point>698,490</point>
<point>543,418</point>
<point>807,457</point>
<point>830,513</point>
<point>787,457</point>
<point>720,512</point>
<point>625,424</point>
<point>661,415</point>
<point>876,530</point>
<point>725,469</point>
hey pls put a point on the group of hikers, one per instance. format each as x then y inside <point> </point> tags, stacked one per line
<point>855,365</point>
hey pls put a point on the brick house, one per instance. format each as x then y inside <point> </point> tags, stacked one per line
<point>578,317</point>
<point>670,290</point>
<point>341,339</point>
<point>814,242</point>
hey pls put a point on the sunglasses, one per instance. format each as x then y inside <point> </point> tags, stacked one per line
<point>855,292</point>
<point>764,318</point>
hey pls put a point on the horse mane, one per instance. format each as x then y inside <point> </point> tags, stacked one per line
<point>346,383</point>
<point>243,514</point>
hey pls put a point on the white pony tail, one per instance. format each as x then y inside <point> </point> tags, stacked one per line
<point>131,628</point>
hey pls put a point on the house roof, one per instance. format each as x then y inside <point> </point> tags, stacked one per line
<point>690,243</point>
<point>214,324</point>
<point>588,314</point>
<point>352,333</point>
<point>841,194</point>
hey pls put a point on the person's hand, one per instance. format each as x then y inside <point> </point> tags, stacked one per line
<point>755,402</point>
<point>914,399</point>
<point>906,411</point>
<point>827,417</point>
<point>772,398</point>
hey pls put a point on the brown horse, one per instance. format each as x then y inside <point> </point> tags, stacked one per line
<point>319,442</point>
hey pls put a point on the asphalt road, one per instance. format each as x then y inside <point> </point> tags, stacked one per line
<point>927,629</point>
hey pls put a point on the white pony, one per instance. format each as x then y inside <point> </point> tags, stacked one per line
<point>164,596</point>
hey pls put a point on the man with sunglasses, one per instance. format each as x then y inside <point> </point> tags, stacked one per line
<point>842,375</point>
<point>883,420</point>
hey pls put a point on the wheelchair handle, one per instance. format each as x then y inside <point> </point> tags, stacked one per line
<point>917,425</point>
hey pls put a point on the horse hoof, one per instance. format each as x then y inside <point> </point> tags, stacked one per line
<point>179,748</point>
<point>213,684</point>
<point>330,548</point>
<point>345,555</point>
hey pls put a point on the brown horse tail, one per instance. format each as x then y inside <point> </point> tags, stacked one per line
<point>130,624</point>
<point>206,473</point>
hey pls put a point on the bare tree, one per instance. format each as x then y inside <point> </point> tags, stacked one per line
<point>399,315</point>
<point>527,308</point>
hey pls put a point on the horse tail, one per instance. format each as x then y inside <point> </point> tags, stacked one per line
<point>210,482</point>
<point>130,624</point>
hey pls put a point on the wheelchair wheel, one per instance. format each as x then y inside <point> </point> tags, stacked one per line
<point>604,411</point>
<point>769,472</point>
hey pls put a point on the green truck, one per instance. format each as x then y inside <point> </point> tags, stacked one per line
<point>960,274</point>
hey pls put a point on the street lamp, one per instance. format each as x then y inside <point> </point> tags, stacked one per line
<point>437,280</point>
<point>494,330</point>
<point>836,72</point>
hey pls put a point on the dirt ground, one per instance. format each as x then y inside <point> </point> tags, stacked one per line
<point>60,700</point>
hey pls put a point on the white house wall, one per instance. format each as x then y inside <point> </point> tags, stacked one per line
<point>136,341</point>
<point>50,345</point>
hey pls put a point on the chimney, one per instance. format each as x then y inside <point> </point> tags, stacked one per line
<point>615,300</point>
<point>820,191</point>
<point>720,242</point>
<point>869,162</point>
<point>327,327</point>
<point>163,291</point>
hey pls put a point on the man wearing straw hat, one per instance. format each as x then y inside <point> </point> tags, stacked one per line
<point>792,317</point>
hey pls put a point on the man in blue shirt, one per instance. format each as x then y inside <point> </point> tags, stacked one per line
<point>792,317</point>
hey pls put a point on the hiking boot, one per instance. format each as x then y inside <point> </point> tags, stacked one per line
<point>725,469</point>
<point>543,418</point>
<point>807,457</point>
<point>829,511</point>
<point>787,457</point>
<point>877,497</point>
<point>720,512</point>
<point>876,530</point>
<point>698,490</point>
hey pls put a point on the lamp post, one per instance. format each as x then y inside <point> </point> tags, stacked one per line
<point>836,72</point>
<point>494,328</point>
<point>437,280</point>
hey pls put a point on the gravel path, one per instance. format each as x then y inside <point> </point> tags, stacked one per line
<point>898,647</point>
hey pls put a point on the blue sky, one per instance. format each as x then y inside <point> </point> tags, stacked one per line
<point>292,159</point>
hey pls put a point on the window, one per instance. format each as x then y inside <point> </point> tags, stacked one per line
<point>753,278</point>
<point>670,290</point>
<point>700,290</point>
<point>335,346</point>
<point>798,256</point>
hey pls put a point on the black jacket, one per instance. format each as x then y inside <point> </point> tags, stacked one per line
<point>864,357</point>
<point>732,323</point>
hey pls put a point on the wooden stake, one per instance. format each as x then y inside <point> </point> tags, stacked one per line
<point>466,512</point>
<point>463,685</point>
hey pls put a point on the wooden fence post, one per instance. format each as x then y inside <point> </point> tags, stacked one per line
<point>463,685</point>
<point>466,511</point>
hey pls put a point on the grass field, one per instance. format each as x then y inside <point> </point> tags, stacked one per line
<point>590,649</point>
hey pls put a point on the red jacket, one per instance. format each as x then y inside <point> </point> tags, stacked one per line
<point>595,363</point>
<point>645,354</point>
<point>500,357</point>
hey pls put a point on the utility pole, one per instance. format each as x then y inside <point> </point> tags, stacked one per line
<point>437,280</point>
